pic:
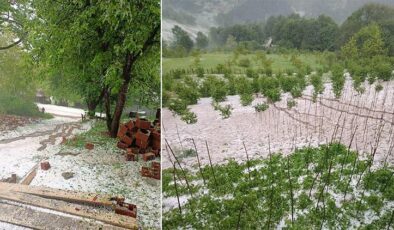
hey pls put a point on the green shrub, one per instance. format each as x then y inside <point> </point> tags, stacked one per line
<point>378,87</point>
<point>225,111</point>
<point>215,88</point>
<point>261,107</point>
<point>273,95</point>
<point>338,80</point>
<point>375,203</point>
<point>200,72</point>
<point>178,106</point>
<point>291,103</point>
<point>304,201</point>
<point>14,105</point>
<point>245,62</point>
<point>250,73</point>
<point>189,117</point>
<point>246,99</point>
<point>188,93</point>
<point>244,86</point>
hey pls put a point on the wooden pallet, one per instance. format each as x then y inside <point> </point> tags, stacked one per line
<point>86,205</point>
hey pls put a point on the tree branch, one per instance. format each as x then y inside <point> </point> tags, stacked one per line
<point>149,41</point>
<point>11,45</point>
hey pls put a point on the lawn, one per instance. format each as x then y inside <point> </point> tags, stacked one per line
<point>281,62</point>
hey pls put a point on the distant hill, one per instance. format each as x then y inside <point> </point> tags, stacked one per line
<point>200,15</point>
<point>258,10</point>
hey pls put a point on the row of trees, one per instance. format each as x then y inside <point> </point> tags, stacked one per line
<point>93,49</point>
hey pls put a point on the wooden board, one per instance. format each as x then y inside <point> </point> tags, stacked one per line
<point>35,219</point>
<point>50,193</point>
<point>59,200</point>
<point>30,176</point>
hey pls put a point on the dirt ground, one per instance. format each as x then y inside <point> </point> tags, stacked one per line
<point>368,116</point>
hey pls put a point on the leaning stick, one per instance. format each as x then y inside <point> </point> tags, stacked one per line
<point>198,160</point>
<point>180,166</point>
<point>176,191</point>
<point>210,163</point>
<point>247,159</point>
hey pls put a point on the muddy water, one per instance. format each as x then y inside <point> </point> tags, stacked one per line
<point>363,121</point>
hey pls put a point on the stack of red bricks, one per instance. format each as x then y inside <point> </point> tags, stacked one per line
<point>140,137</point>
<point>153,172</point>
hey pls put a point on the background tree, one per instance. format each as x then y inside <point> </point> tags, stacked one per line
<point>201,41</point>
<point>11,15</point>
<point>382,15</point>
<point>182,39</point>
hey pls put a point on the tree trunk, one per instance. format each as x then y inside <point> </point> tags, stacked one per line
<point>92,104</point>
<point>107,106</point>
<point>126,75</point>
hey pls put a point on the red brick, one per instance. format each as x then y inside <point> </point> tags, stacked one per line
<point>142,123</point>
<point>130,125</point>
<point>156,144</point>
<point>156,165</point>
<point>142,135</point>
<point>127,140</point>
<point>145,172</point>
<point>122,131</point>
<point>141,144</point>
<point>155,135</point>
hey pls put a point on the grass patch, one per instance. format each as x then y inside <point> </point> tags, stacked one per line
<point>96,135</point>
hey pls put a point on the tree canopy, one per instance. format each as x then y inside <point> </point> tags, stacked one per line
<point>95,50</point>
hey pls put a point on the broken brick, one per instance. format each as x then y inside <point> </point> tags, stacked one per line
<point>89,146</point>
<point>125,211</point>
<point>122,145</point>
<point>130,157</point>
<point>64,140</point>
<point>13,178</point>
<point>156,152</point>
<point>45,165</point>
<point>148,156</point>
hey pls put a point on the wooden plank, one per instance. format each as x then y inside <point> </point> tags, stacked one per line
<point>71,196</point>
<point>36,219</point>
<point>71,208</point>
<point>30,176</point>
